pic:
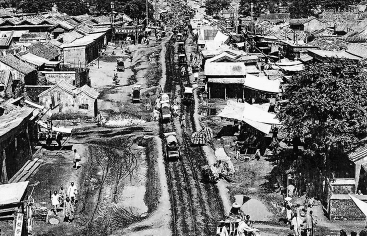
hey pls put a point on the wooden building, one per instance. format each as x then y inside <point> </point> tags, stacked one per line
<point>16,141</point>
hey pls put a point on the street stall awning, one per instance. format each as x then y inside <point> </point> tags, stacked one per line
<point>262,83</point>
<point>265,128</point>
<point>56,129</point>
<point>360,204</point>
<point>290,65</point>
<point>12,193</point>
<point>226,80</point>
<point>252,115</point>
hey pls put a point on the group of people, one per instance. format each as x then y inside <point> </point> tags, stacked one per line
<point>300,217</point>
<point>65,199</point>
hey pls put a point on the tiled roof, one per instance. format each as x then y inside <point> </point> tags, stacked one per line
<point>91,92</point>
<point>17,64</point>
<point>45,50</point>
<point>64,86</point>
<point>32,91</point>
<point>70,36</point>
<point>35,35</point>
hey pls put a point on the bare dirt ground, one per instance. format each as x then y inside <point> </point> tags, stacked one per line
<point>122,187</point>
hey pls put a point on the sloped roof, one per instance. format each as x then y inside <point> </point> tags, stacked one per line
<point>70,36</point>
<point>91,92</point>
<point>17,64</point>
<point>358,49</point>
<point>32,91</point>
<point>33,59</point>
<point>224,69</point>
<point>222,56</point>
<point>44,50</point>
<point>336,54</point>
<point>63,85</point>
<point>10,121</point>
<point>34,35</point>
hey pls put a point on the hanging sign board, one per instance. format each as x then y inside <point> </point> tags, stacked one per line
<point>128,29</point>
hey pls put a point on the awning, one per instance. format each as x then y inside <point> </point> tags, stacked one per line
<point>262,83</point>
<point>360,204</point>
<point>188,89</point>
<point>252,115</point>
<point>56,129</point>
<point>12,193</point>
<point>226,80</point>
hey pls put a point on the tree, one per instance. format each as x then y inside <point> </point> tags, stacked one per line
<point>72,7</point>
<point>213,7</point>
<point>327,110</point>
<point>35,6</point>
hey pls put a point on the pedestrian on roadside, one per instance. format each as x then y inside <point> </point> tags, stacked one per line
<point>68,210</point>
<point>363,232</point>
<point>55,201</point>
<point>343,233</point>
<point>58,139</point>
<point>72,191</point>
<point>77,159</point>
<point>62,196</point>
<point>309,223</point>
<point>295,224</point>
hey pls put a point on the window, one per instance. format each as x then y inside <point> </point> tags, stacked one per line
<point>83,106</point>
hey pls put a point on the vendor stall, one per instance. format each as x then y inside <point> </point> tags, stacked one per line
<point>12,204</point>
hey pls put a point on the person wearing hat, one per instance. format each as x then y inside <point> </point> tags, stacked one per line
<point>236,211</point>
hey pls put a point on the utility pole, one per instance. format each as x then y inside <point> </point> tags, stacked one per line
<point>147,11</point>
<point>112,21</point>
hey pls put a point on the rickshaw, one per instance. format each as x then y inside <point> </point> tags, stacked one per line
<point>188,97</point>
<point>181,59</point>
<point>136,93</point>
<point>164,98</point>
<point>165,112</point>
<point>120,65</point>
<point>181,47</point>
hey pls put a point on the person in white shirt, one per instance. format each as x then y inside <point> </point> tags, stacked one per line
<point>77,159</point>
<point>72,191</point>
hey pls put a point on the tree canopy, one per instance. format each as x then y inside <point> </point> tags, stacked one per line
<point>213,7</point>
<point>327,107</point>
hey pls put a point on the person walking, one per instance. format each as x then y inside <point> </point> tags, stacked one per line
<point>295,224</point>
<point>62,196</point>
<point>55,201</point>
<point>72,191</point>
<point>58,139</point>
<point>68,210</point>
<point>76,160</point>
<point>309,223</point>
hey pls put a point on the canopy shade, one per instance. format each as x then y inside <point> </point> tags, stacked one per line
<point>262,83</point>
<point>12,193</point>
<point>360,204</point>
<point>252,115</point>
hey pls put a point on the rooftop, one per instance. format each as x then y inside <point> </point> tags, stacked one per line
<point>44,50</point>
<point>10,121</point>
<point>17,64</point>
<point>91,92</point>
<point>225,69</point>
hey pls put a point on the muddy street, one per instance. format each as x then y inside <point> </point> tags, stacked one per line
<point>196,205</point>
